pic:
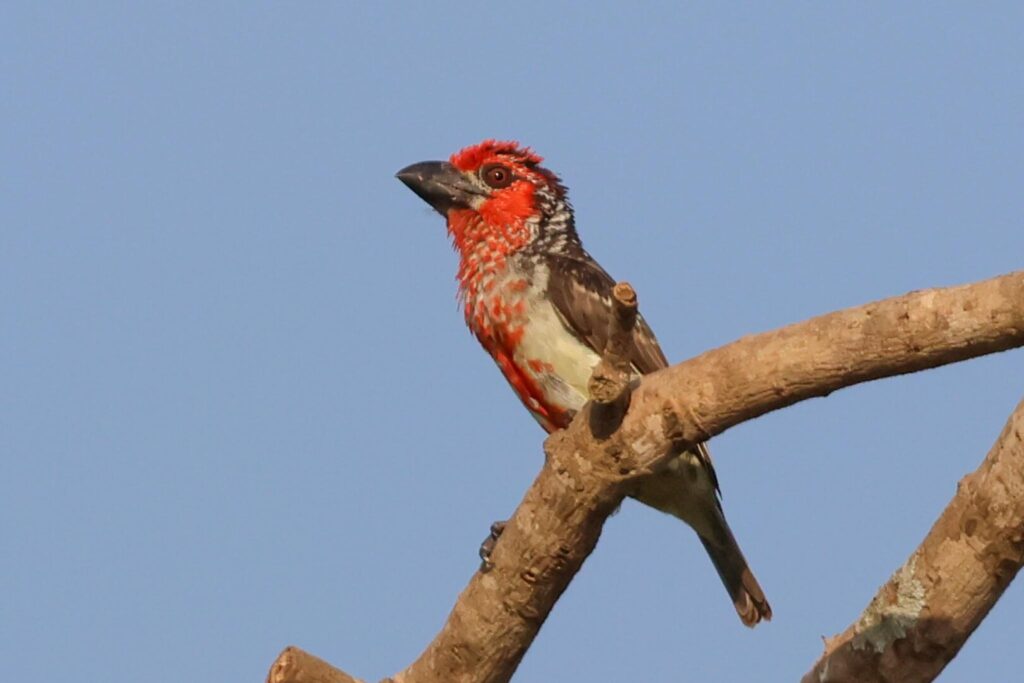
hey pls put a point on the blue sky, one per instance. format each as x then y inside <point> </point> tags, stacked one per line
<point>239,409</point>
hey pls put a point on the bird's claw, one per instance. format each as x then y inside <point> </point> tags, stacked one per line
<point>487,547</point>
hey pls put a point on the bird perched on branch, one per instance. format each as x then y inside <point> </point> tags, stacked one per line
<point>541,305</point>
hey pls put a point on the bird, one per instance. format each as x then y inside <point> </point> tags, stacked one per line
<point>540,305</point>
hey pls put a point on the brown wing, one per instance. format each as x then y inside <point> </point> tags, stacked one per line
<point>581,292</point>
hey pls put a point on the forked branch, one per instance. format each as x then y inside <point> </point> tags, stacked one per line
<point>586,475</point>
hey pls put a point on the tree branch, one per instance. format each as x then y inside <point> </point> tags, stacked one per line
<point>609,384</point>
<point>721,388</point>
<point>584,478</point>
<point>922,616</point>
<point>297,666</point>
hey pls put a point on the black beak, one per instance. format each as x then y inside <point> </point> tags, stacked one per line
<point>439,184</point>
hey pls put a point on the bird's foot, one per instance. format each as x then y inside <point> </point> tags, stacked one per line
<point>487,547</point>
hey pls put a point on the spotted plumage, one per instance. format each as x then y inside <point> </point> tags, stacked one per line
<point>540,306</point>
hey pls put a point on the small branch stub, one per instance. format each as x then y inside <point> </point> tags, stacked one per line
<point>610,383</point>
<point>294,665</point>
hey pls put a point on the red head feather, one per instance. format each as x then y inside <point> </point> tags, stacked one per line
<point>473,157</point>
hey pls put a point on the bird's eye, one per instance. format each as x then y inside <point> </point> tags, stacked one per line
<point>497,176</point>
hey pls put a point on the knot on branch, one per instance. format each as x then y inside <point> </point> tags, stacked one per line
<point>610,383</point>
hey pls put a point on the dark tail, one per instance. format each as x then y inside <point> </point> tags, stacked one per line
<point>743,588</point>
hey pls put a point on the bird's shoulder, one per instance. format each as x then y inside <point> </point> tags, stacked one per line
<point>581,292</point>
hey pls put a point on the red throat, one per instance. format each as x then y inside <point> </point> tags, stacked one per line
<point>483,246</point>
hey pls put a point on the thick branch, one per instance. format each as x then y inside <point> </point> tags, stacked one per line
<point>921,618</point>
<point>706,395</point>
<point>585,478</point>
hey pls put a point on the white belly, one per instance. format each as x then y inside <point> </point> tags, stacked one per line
<point>548,367</point>
<point>568,362</point>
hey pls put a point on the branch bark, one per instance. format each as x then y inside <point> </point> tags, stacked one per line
<point>706,395</point>
<point>924,614</point>
<point>298,666</point>
<point>584,477</point>
<point>609,384</point>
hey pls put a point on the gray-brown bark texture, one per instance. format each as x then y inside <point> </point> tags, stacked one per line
<point>587,471</point>
<point>922,616</point>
